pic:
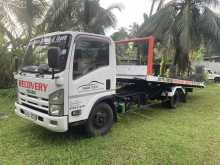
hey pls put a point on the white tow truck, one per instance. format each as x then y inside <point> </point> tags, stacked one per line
<point>70,78</point>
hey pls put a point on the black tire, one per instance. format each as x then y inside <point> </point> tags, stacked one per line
<point>183,97</point>
<point>172,101</point>
<point>100,120</point>
<point>217,79</point>
<point>165,103</point>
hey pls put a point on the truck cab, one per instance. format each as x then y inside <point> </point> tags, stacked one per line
<point>63,77</point>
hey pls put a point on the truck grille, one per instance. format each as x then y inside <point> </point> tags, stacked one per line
<point>34,102</point>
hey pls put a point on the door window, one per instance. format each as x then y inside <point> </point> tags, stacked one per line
<point>90,54</point>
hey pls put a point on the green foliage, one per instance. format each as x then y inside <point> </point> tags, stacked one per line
<point>184,25</point>
<point>196,55</point>
<point>200,74</point>
<point>5,69</point>
<point>134,29</point>
<point>21,16</point>
<point>8,93</point>
<point>7,66</point>
<point>85,15</point>
<point>163,66</point>
<point>120,34</point>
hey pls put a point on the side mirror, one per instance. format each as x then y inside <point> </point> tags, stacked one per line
<point>53,57</point>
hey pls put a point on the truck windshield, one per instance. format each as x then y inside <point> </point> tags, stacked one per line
<point>36,60</point>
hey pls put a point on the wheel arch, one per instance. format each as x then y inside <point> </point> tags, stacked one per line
<point>176,89</point>
<point>108,100</point>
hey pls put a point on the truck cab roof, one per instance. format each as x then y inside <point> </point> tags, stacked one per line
<point>73,33</point>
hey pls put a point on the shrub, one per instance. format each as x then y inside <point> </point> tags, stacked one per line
<point>7,66</point>
<point>200,74</point>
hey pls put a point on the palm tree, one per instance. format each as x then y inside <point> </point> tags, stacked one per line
<point>97,19</point>
<point>121,34</point>
<point>134,29</point>
<point>184,25</point>
<point>20,16</point>
<point>81,15</point>
<point>160,5</point>
<point>152,7</point>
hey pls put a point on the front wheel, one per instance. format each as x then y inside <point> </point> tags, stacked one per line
<point>100,120</point>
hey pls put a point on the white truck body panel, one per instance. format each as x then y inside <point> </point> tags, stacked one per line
<point>86,90</point>
<point>129,70</point>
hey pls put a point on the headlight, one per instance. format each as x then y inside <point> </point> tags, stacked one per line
<point>56,103</point>
<point>56,110</point>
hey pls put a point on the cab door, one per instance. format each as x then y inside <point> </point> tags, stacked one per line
<point>92,76</point>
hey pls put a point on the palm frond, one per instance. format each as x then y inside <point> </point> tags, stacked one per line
<point>6,15</point>
<point>103,18</point>
<point>159,23</point>
<point>62,15</point>
<point>59,7</point>
<point>160,5</point>
<point>209,25</point>
<point>4,30</point>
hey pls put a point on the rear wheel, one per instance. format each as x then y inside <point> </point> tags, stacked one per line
<point>183,97</point>
<point>172,101</point>
<point>100,120</point>
<point>217,79</point>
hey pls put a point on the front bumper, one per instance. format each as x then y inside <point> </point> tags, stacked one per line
<point>56,124</point>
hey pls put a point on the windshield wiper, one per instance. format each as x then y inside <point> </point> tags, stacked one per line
<point>43,68</point>
<point>40,70</point>
<point>30,69</point>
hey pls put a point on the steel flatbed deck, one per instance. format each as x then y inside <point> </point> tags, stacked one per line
<point>162,80</point>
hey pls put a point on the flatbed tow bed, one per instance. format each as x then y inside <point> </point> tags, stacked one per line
<point>138,84</point>
<point>161,80</point>
<point>145,72</point>
<point>138,89</point>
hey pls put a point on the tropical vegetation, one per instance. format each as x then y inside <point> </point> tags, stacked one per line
<point>184,25</point>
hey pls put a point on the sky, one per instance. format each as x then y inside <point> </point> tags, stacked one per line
<point>132,11</point>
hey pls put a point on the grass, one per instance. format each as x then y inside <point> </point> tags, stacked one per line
<point>188,135</point>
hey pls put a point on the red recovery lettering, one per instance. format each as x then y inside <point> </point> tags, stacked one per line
<point>34,86</point>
